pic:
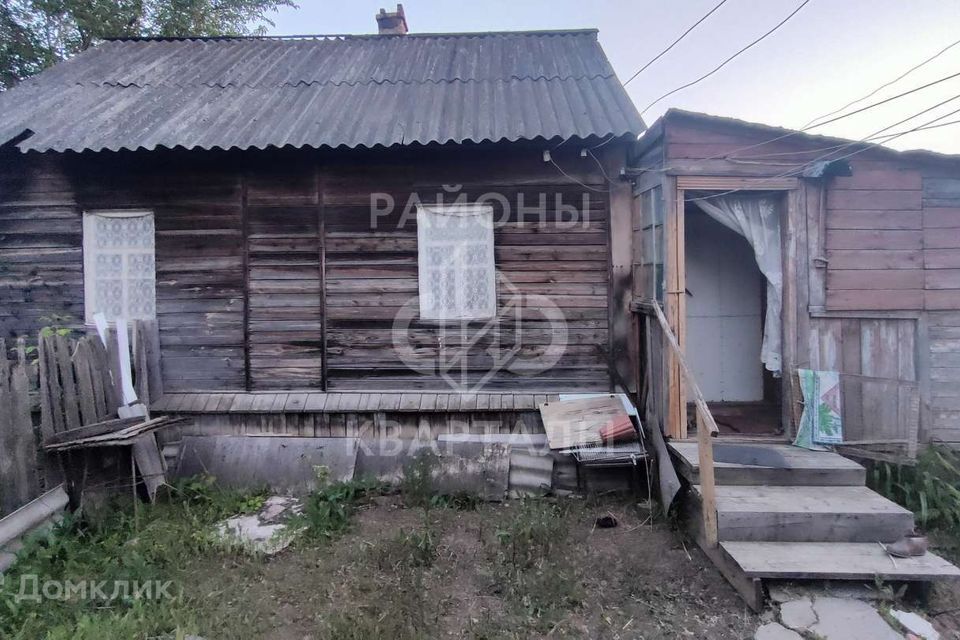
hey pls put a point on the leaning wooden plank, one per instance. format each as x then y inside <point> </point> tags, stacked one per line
<point>4,363</point>
<point>86,431</point>
<point>113,364</point>
<point>121,437</point>
<point>101,359</point>
<point>8,499</point>
<point>71,406</point>
<point>24,448</point>
<point>84,375</point>
<point>146,453</point>
<point>139,363</point>
<point>51,400</point>
<point>151,333</point>
<point>833,561</point>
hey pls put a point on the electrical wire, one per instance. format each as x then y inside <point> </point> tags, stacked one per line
<point>572,179</point>
<point>871,136</point>
<point>789,134</point>
<point>866,147</point>
<point>841,117</point>
<point>675,42</point>
<point>886,84</point>
<point>724,63</point>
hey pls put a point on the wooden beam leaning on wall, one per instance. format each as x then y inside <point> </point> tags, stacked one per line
<point>706,425</point>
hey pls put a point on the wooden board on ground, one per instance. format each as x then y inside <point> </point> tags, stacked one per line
<point>833,561</point>
<point>570,423</point>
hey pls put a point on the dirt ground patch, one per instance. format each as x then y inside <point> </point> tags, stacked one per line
<point>513,570</point>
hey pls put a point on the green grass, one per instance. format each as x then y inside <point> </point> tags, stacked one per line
<point>931,489</point>
<point>327,511</point>
<point>143,546</point>
<point>152,544</point>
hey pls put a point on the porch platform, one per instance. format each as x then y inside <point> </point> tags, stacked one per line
<point>349,402</point>
<point>799,466</point>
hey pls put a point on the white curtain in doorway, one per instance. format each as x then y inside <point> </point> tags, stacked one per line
<point>756,218</point>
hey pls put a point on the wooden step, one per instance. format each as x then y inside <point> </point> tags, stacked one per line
<point>800,467</point>
<point>808,514</point>
<point>833,561</point>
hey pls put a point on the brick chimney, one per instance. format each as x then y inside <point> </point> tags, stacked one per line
<point>392,23</point>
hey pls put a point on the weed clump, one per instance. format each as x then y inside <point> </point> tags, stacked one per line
<point>529,572</point>
<point>930,488</point>
<point>327,511</point>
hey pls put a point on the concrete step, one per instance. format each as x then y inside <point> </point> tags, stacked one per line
<point>832,561</point>
<point>808,514</point>
<point>768,464</point>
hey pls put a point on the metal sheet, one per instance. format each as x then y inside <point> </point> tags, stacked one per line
<point>531,461</point>
<point>350,91</point>
<point>284,464</point>
<point>464,467</point>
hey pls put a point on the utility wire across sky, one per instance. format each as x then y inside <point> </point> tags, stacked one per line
<point>730,59</point>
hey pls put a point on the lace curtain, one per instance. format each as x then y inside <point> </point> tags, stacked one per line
<point>455,252</point>
<point>757,219</point>
<point>119,268</point>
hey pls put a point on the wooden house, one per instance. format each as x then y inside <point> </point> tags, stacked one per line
<point>405,234</point>
<point>279,206</point>
<point>868,257</point>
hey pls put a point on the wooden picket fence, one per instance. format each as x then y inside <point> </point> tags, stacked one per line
<point>58,384</point>
<point>19,480</point>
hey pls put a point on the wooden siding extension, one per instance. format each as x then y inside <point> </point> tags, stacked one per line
<point>941,255</point>
<point>273,273</point>
<point>874,240</point>
<point>878,270</point>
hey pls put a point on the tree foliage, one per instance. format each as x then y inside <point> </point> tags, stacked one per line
<point>37,33</point>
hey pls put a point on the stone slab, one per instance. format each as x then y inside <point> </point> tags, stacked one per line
<point>842,619</point>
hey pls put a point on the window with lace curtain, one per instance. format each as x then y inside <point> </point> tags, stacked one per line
<point>118,265</point>
<point>456,264</point>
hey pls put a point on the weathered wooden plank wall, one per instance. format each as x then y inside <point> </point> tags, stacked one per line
<point>372,274</point>
<point>263,258</point>
<point>41,262</point>
<point>874,239</point>
<point>884,308</point>
<point>285,314</point>
<point>941,255</point>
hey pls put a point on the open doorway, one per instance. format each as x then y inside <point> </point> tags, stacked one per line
<point>726,297</point>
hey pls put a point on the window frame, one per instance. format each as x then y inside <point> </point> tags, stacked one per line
<point>473,209</point>
<point>90,252</point>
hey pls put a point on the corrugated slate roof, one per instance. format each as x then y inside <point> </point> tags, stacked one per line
<point>350,91</point>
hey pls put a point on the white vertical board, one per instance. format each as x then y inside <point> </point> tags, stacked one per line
<point>724,312</point>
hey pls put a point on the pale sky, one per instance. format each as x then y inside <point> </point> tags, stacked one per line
<point>830,53</point>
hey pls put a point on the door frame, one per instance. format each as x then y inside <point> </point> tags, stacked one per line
<point>675,281</point>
